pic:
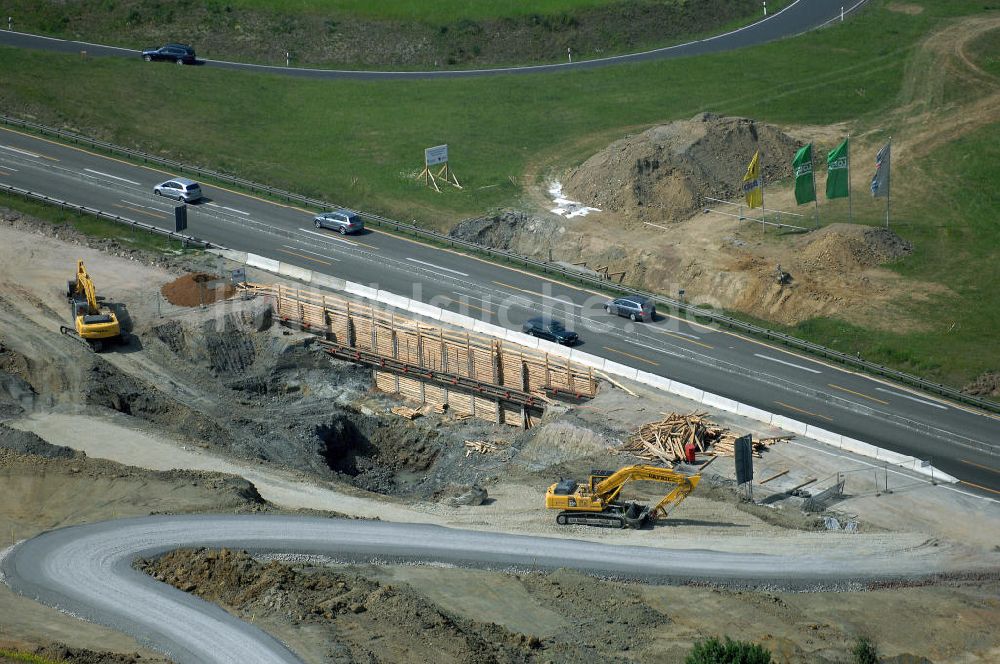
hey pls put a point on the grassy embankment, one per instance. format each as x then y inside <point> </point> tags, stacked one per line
<point>90,226</point>
<point>361,142</point>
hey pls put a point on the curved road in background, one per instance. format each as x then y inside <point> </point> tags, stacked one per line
<point>801,16</point>
<point>87,570</point>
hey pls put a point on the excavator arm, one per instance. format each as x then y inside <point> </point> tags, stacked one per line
<point>85,286</point>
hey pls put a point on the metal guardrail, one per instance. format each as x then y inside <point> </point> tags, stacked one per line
<point>529,263</point>
<point>100,214</point>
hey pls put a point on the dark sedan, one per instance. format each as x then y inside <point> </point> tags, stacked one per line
<point>550,330</point>
<point>182,54</point>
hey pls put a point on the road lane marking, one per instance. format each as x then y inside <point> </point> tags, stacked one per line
<point>634,357</point>
<point>327,236</point>
<point>135,209</point>
<point>797,366</point>
<point>864,396</point>
<point>306,251</point>
<point>979,486</point>
<point>677,335</point>
<point>28,154</point>
<point>804,412</point>
<point>979,465</point>
<point>223,207</point>
<point>907,396</point>
<point>437,267</point>
<point>548,297</point>
<point>315,260</point>
<point>465,303</point>
<point>113,177</point>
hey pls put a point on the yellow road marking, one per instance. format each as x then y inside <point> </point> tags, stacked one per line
<point>682,338</point>
<point>864,396</point>
<point>978,465</point>
<point>804,412</point>
<point>465,303</point>
<point>151,214</point>
<point>980,486</point>
<point>315,260</point>
<point>634,357</point>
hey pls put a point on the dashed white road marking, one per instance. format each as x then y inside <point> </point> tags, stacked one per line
<point>328,237</point>
<point>24,152</point>
<point>797,366</point>
<point>312,253</point>
<point>223,207</point>
<point>437,267</point>
<point>113,177</point>
<point>907,396</point>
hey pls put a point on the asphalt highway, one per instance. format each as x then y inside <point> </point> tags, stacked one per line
<point>958,440</point>
<point>801,16</point>
<point>87,570</point>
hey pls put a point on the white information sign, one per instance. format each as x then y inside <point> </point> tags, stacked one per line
<point>436,155</point>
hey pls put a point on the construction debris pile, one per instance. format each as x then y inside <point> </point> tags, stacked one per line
<point>664,441</point>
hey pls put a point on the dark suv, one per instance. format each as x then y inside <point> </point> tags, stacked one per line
<point>550,330</point>
<point>182,54</point>
<point>634,307</point>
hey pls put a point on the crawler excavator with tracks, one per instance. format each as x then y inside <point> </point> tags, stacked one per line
<point>596,502</point>
<point>94,323</point>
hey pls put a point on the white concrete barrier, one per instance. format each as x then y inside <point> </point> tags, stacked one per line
<point>264,263</point>
<point>824,436</point>
<point>788,424</point>
<point>555,350</point>
<point>391,299</point>
<point>294,272</point>
<point>654,381</point>
<point>230,255</point>
<point>457,319</point>
<point>522,339</point>
<point>425,310</point>
<point>858,447</point>
<point>326,281</point>
<point>610,367</point>
<point>754,413</point>
<point>722,403</point>
<point>488,328</point>
<point>360,290</point>
<point>686,391</point>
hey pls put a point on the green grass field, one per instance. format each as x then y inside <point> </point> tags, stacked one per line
<point>425,10</point>
<point>361,143</point>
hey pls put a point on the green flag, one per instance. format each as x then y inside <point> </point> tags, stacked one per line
<point>837,171</point>
<point>805,191</point>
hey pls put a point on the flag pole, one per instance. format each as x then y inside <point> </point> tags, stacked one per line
<point>850,198</point>
<point>760,165</point>
<point>812,167</point>
<point>888,185</point>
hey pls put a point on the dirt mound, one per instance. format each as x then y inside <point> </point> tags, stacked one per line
<point>192,290</point>
<point>373,622</point>
<point>663,173</point>
<point>843,247</point>
<point>26,442</point>
<point>985,385</point>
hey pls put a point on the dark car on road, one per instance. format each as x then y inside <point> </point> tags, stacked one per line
<point>342,221</point>
<point>550,330</point>
<point>634,307</point>
<point>182,54</point>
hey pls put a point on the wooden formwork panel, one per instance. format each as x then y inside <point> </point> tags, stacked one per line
<point>459,403</point>
<point>434,348</point>
<point>384,381</point>
<point>435,394</point>
<point>486,409</point>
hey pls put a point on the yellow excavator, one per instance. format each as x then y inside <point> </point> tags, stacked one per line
<point>596,502</point>
<point>95,323</point>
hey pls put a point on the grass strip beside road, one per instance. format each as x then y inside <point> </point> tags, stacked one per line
<point>90,226</point>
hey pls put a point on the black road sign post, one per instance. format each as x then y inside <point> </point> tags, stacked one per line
<point>180,218</point>
<point>744,463</point>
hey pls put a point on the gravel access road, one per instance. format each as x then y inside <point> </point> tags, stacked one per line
<point>87,570</point>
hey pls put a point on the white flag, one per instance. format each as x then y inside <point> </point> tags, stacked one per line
<point>880,181</point>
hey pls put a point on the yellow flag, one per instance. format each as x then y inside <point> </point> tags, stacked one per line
<point>752,185</point>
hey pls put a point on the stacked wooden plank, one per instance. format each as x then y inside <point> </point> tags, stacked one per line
<point>480,446</point>
<point>664,441</point>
